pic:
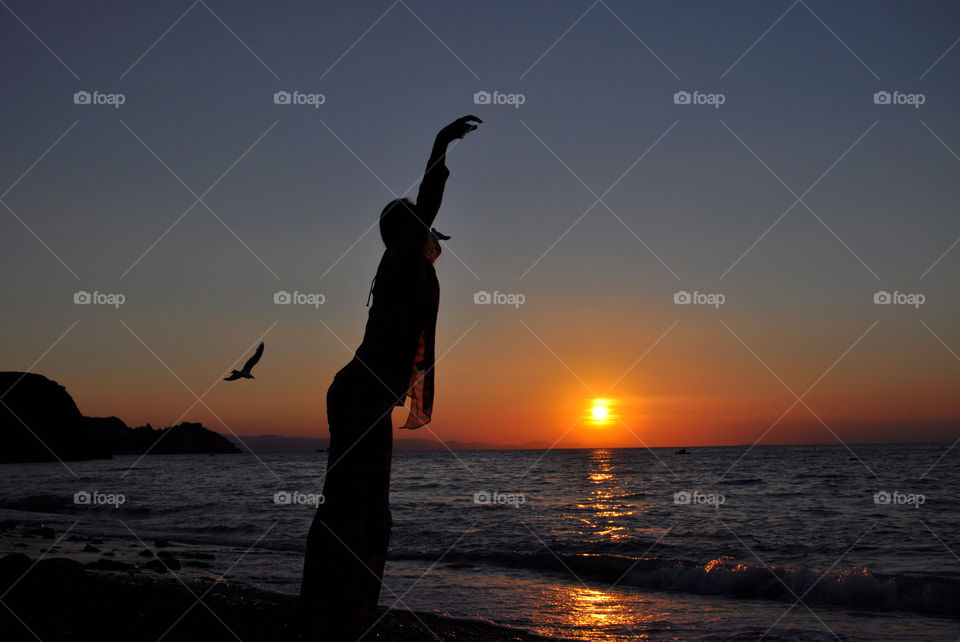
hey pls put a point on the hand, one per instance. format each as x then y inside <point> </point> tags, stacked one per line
<point>458,128</point>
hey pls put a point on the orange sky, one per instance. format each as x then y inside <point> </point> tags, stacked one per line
<point>518,378</point>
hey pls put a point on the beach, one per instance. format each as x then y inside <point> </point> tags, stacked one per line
<point>77,590</point>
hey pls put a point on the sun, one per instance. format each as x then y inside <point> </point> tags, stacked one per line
<point>600,412</point>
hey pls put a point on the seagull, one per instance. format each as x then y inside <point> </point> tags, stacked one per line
<point>247,367</point>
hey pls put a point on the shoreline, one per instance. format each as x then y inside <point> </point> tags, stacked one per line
<point>58,585</point>
<point>60,598</point>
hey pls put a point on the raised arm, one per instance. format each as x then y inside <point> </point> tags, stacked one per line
<point>435,176</point>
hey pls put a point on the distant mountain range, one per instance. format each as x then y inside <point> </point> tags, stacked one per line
<point>284,444</point>
<point>39,421</point>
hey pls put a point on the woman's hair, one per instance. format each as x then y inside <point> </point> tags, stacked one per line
<point>399,225</point>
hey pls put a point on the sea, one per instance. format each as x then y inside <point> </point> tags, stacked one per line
<point>734,543</point>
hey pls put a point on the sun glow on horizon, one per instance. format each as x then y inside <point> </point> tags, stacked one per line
<point>600,413</point>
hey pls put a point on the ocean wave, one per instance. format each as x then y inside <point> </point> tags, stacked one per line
<point>636,495</point>
<point>747,481</point>
<point>39,503</point>
<point>857,588</point>
<point>65,504</point>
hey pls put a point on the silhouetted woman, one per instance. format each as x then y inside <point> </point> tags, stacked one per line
<point>348,539</point>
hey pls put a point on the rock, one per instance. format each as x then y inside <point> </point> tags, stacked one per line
<point>90,548</point>
<point>104,564</point>
<point>197,564</point>
<point>166,561</point>
<point>44,531</point>
<point>162,566</point>
<point>59,565</point>
<point>12,567</point>
<point>155,565</point>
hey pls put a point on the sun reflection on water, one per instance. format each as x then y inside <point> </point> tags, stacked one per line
<point>598,613</point>
<point>603,512</point>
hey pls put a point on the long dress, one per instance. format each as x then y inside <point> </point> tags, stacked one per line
<point>349,537</point>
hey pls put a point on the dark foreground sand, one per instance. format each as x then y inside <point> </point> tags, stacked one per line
<point>59,598</point>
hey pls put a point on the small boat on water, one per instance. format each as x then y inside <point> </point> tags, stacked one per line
<point>682,451</point>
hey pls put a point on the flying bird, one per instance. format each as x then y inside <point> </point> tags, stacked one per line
<point>247,367</point>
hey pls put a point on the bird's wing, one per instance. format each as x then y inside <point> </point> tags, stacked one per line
<point>232,377</point>
<point>252,361</point>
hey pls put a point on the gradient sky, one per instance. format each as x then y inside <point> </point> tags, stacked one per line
<point>302,185</point>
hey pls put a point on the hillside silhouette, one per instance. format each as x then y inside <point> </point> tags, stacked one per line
<point>39,421</point>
